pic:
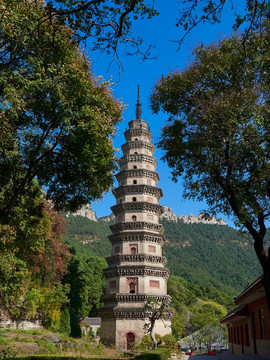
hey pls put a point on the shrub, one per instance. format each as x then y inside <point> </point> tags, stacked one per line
<point>169,340</point>
<point>157,354</point>
<point>65,322</point>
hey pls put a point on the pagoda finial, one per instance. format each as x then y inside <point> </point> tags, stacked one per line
<point>138,105</point>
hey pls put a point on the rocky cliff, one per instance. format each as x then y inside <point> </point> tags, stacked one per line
<point>201,218</point>
<point>168,214</point>
<point>85,211</point>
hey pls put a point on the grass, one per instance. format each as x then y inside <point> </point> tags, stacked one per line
<point>20,331</point>
<point>17,344</point>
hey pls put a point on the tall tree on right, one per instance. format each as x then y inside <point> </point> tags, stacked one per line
<point>218,134</point>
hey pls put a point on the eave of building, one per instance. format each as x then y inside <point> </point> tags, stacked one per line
<point>136,236</point>
<point>140,144</point>
<point>138,189</point>
<point>136,225</point>
<point>133,173</point>
<point>136,258</point>
<point>133,298</point>
<point>253,292</point>
<point>130,207</point>
<point>137,132</point>
<point>142,124</point>
<point>136,270</point>
<point>237,314</point>
<point>138,158</point>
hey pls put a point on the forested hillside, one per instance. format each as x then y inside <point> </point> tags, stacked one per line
<point>211,256</point>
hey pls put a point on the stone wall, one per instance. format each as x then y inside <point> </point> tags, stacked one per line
<point>6,322</point>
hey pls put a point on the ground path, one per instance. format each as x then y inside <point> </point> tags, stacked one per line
<point>224,355</point>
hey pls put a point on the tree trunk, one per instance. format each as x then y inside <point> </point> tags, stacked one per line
<point>266,284</point>
<point>153,339</point>
<point>264,259</point>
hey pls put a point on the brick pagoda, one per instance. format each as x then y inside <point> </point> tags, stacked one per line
<point>136,268</point>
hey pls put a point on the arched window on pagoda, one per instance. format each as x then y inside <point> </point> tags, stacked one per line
<point>133,250</point>
<point>134,218</point>
<point>134,199</point>
<point>134,181</point>
<point>135,167</point>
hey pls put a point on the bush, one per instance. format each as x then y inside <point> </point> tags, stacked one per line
<point>90,333</point>
<point>65,322</point>
<point>157,354</point>
<point>147,342</point>
<point>169,340</point>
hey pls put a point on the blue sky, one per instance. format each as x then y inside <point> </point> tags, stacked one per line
<point>157,31</point>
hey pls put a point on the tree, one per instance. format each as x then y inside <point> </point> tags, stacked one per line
<point>34,260</point>
<point>105,24</point>
<point>64,327</point>
<point>156,310</point>
<point>87,284</point>
<point>248,19</point>
<point>207,313</point>
<point>217,136</point>
<point>210,334</point>
<point>56,118</point>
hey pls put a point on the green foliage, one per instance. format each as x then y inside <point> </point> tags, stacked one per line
<point>60,357</point>
<point>191,312</point>
<point>157,354</point>
<point>146,343</point>
<point>5,355</point>
<point>90,333</point>
<point>56,119</point>
<point>87,236</point>
<point>87,284</point>
<point>169,340</point>
<point>47,347</point>
<point>216,258</point>
<point>250,18</point>
<point>64,327</point>
<point>210,334</point>
<point>34,260</point>
<point>156,310</point>
<point>94,19</point>
<point>74,324</point>
<point>217,137</point>
<point>206,313</point>
<point>178,325</point>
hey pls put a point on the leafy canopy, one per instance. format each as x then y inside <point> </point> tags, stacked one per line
<point>34,260</point>
<point>248,16</point>
<point>218,132</point>
<point>56,118</point>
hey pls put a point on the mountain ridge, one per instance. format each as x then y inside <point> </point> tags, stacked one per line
<point>206,254</point>
<point>168,214</point>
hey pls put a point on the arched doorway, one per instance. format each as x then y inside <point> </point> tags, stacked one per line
<point>130,339</point>
<point>132,288</point>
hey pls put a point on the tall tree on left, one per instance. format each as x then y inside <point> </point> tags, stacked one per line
<point>56,119</point>
<point>56,123</point>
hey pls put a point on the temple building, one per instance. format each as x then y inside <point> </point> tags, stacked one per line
<point>249,323</point>
<point>136,268</point>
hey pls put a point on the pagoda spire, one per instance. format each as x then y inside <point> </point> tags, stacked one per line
<point>138,105</point>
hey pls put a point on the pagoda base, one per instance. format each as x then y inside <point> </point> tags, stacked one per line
<point>123,331</point>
